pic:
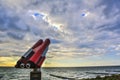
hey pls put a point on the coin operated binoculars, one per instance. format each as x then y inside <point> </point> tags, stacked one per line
<point>34,58</point>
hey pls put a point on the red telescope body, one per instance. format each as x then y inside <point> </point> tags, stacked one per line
<point>35,56</point>
<point>30,52</point>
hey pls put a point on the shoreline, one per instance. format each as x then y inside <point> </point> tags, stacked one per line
<point>112,77</point>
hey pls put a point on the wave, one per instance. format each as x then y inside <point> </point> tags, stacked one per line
<point>112,70</point>
<point>1,76</point>
<point>61,77</point>
<point>102,73</point>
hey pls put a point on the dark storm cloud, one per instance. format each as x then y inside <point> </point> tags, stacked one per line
<point>12,25</point>
<point>59,9</point>
<point>15,35</point>
<point>113,27</point>
<point>111,6</point>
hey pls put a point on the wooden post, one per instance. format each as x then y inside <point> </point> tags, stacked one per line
<point>35,75</point>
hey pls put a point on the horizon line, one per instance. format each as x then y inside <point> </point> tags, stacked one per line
<point>67,66</point>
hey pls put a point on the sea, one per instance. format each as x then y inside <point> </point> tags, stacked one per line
<point>9,73</point>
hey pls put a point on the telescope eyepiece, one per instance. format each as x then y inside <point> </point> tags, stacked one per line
<point>28,65</point>
<point>22,65</point>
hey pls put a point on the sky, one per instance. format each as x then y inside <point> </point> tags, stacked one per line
<point>82,32</point>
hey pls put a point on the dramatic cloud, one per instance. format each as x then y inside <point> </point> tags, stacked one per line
<point>77,28</point>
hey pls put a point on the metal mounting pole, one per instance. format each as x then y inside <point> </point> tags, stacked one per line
<point>35,74</point>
